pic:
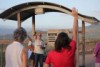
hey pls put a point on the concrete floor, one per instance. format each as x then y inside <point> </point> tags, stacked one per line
<point>89,60</point>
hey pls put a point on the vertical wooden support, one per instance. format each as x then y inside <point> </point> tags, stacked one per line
<point>33,25</point>
<point>77,46</point>
<point>1,55</point>
<point>83,44</point>
<point>19,20</point>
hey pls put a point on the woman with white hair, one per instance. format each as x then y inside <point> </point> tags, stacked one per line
<point>16,53</point>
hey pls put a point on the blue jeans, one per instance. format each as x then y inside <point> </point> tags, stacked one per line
<point>38,59</point>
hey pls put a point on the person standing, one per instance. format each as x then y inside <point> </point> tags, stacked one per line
<point>31,49</point>
<point>97,54</point>
<point>16,53</point>
<point>64,53</point>
<point>39,46</point>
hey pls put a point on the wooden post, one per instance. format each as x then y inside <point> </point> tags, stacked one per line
<point>33,25</point>
<point>77,46</point>
<point>1,55</point>
<point>83,44</point>
<point>19,20</point>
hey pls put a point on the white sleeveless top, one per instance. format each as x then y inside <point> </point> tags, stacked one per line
<point>13,54</point>
<point>37,47</point>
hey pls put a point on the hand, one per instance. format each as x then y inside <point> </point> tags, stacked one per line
<point>42,47</point>
<point>31,48</point>
<point>74,13</point>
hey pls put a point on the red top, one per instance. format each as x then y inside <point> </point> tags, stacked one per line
<point>65,58</point>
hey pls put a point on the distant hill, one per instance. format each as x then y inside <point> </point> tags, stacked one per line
<point>5,31</point>
<point>95,26</point>
<point>92,32</point>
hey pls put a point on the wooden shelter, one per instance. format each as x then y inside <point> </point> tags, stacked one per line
<point>30,9</point>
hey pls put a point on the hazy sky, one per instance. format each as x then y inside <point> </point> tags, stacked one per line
<point>53,20</point>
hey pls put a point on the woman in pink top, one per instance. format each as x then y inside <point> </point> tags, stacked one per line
<point>64,53</point>
<point>97,54</point>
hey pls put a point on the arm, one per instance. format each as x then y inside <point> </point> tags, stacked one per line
<point>46,65</point>
<point>30,39</point>
<point>30,46</point>
<point>43,45</point>
<point>75,15</point>
<point>24,58</point>
<point>96,49</point>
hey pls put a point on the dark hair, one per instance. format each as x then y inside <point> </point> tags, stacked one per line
<point>62,41</point>
<point>20,34</point>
